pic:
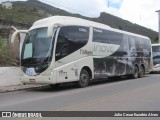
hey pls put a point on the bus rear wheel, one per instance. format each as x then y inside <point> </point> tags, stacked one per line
<point>83,79</point>
<point>55,85</point>
<point>141,72</point>
<point>136,73</point>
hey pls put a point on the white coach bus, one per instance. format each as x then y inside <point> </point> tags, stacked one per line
<point>63,49</point>
<point>156,57</point>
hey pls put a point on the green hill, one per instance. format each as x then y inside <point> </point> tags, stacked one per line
<point>125,25</point>
<point>29,11</point>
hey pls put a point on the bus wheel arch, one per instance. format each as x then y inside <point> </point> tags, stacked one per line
<point>141,71</point>
<point>89,71</point>
<point>84,77</point>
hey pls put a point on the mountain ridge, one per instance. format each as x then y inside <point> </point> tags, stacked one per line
<point>32,10</point>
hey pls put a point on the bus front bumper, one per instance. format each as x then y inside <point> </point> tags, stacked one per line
<point>156,68</point>
<point>38,79</point>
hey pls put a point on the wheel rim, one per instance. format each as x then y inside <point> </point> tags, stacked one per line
<point>136,72</point>
<point>141,72</point>
<point>84,79</point>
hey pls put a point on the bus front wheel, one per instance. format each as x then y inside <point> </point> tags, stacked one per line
<point>83,79</point>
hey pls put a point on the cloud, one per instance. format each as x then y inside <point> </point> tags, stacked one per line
<point>141,12</point>
<point>89,8</point>
<point>116,1</point>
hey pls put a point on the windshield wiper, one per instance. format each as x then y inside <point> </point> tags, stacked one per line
<point>33,62</point>
<point>29,61</point>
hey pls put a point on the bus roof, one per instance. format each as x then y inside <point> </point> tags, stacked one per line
<point>66,20</point>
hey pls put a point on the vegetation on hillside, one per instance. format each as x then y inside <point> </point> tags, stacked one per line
<point>125,25</point>
<point>20,15</point>
<point>7,58</point>
<point>29,11</point>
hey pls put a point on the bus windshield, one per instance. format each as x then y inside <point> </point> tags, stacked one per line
<point>37,51</point>
<point>156,54</point>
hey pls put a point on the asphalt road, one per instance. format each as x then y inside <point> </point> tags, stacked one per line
<point>141,94</point>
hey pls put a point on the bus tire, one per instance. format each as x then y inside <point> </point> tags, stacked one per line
<point>136,73</point>
<point>141,72</point>
<point>55,85</point>
<point>83,79</point>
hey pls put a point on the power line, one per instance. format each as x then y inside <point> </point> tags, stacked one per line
<point>69,8</point>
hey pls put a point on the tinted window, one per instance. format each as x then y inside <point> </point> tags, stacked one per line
<point>105,36</point>
<point>145,46</point>
<point>156,48</point>
<point>37,51</point>
<point>156,54</point>
<point>70,39</point>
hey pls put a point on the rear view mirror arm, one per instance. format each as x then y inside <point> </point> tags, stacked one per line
<point>15,34</point>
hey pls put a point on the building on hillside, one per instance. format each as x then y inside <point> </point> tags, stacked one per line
<point>7,5</point>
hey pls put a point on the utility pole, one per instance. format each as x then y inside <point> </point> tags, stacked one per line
<point>108,4</point>
<point>158,11</point>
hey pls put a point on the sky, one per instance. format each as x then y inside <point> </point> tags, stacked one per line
<point>141,12</point>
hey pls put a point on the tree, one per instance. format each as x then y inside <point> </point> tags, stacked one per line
<point>1,43</point>
<point>120,27</point>
<point>6,56</point>
<point>155,40</point>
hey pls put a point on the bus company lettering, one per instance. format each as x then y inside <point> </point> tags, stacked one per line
<point>82,30</point>
<point>104,48</point>
<point>86,52</point>
<point>97,30</point>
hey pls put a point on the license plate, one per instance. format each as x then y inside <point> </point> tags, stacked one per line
<point>32,80</point>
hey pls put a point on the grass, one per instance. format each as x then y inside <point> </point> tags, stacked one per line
<point>20,15</point>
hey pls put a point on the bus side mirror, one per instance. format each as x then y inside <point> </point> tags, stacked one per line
<point>14,35</point>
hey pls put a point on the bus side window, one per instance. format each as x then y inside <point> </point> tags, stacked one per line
<point>70,39</point>
<point>65,50</point>
<point>62,47</point>
<point>132,47</point>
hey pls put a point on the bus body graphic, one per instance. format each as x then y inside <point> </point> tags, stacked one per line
<point>63,49</point>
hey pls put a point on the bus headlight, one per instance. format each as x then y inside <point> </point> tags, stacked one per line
<point>52,73</point>
<point>48,73</point>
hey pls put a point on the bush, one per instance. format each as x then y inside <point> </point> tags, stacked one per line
<point>7,58</point>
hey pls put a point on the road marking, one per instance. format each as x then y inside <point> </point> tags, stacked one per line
<point>99,100</point>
